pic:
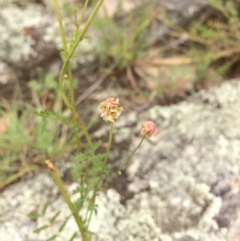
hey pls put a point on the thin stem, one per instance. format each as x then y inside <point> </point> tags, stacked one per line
<point>61,28</point>
<point>67,199</point>
<point>69,56</point>
<point>109,144</point>
<point>64,41</point>
<point>73,108</point>
<point>71,105</point>
<point>17,175</point>
<point>131,155</point>
<point>80,37</point>
<point>100,178</point>
<point>82,33</point>
<point>85,131</point>
<point>83,12</point>
<point>118,172</point>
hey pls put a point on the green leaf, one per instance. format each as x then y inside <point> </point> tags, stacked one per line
<point>34,215</point>
<point>52,237</point>
<point>52,219</point>
<point>43,125</point>
<point>38,230</point>
<point>44,209</point>
<point>73,237</point>
<point>35,85</point>
<point>63,54</point>
<point>54,116</point>
<point>50,82</point>
<point>96,209</point>
<point>70,8</point>
<point>64,224</point>
<point>79,203</point>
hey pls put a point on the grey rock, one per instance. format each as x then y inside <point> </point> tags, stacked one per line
<point>189,169</point>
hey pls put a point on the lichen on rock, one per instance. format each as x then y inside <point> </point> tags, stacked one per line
<point>30,36</point>
<point>16,41</point>
<point>159,214</point>
<point>190,171</point>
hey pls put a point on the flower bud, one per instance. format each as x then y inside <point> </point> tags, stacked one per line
<point>110,109</point>
<point>148,128</point>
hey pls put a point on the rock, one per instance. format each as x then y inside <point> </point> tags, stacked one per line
<point>30,39</point>
<point>6,74</point>
<point>30,36</point>
<point>190,173</point>
<point>198,138</point>
<point>22,33</point>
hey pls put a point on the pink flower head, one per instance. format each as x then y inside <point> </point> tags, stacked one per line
<point>110,109</point>
<point>148,128</point>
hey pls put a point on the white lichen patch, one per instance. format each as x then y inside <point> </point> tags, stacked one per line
<point>16,43</point>
<point>200,137</point>
<point>18,25</point>
<point>158,214</point>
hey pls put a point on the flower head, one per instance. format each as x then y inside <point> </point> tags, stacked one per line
<point>110,109</point>
<point>148,128</point>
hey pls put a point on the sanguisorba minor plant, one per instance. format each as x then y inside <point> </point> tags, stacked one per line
<point>90,169</point>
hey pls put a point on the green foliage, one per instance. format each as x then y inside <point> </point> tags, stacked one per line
<point>90,165</point>
<point>70,9</point>
<point>41,214</point>
<point>54,116</point>
<point>88,162</point>
<point>73,236</point>
<point>64,224</point>
<point>38,230</point>
<point>44,209</point>
<point>52,237</point>
<point>43,82</point>
<point>52,219</point>
<point>213,37</point>
<point>84,159</point>
<point>88,168</point>
<point>219,35</point>
<point>123,41</point>
<point>29,136</point>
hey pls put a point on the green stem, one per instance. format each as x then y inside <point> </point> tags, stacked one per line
<point>59,17</point>
<point>118,172</point>
<point>97,186</point>
<point>73,108</point>
<point>80,36</point>
<point>85,129</point>
<point>83,12</point>
<point>109,144</point>
<point>75,45</point>
<point>67,199</point>
<point>64,41</point>
<point>71,105</point>
<point>17,175</point>
<point>131,155</point>
<point>69,56</point>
